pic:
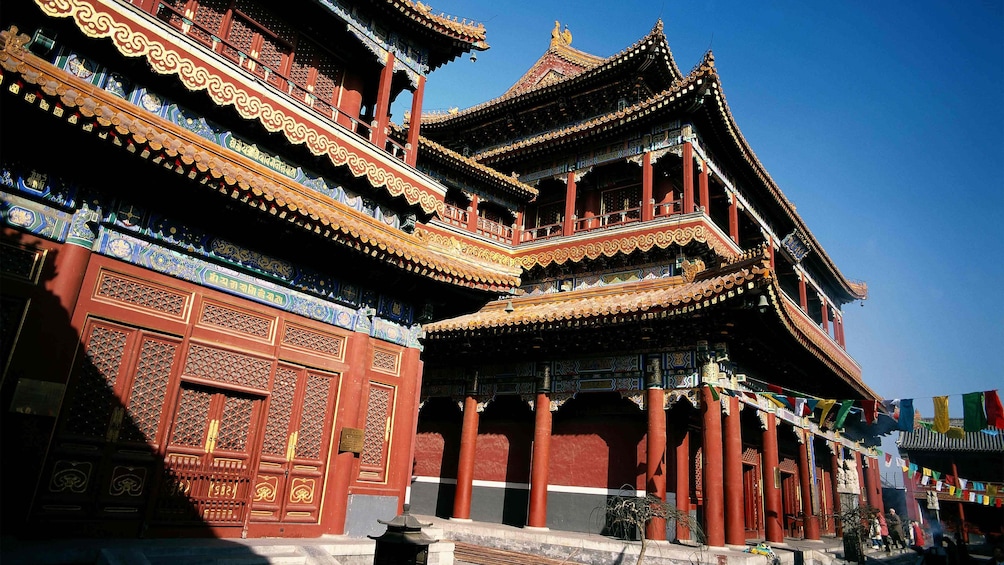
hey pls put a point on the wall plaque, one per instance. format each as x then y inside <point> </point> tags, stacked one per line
<point>351,440</point>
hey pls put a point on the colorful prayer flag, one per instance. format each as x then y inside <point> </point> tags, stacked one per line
<point>906,415</point>
<point>825,405</point>
<point>845,407</point>
<point>939,485</point>
<point>994,410</point>
<point>941,422</point>
<point>869,408</point>
<point>973,417</point>
<point>888,459</point>
<point>926,479</point>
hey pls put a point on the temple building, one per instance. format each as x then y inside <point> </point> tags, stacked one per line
<point>241,298</point>
<point>659,263</point>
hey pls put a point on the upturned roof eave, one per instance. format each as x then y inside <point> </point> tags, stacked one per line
<point>505,102</point>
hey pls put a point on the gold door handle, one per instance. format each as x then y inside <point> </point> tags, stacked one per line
<point>214,428</point>
<point>291,445</point>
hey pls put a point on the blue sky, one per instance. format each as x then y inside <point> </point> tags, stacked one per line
<point>883,122</point>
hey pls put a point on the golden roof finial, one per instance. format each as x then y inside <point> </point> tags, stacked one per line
<point>559,37</point>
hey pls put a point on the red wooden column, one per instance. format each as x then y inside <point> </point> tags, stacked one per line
<point>735,510</point>
<point>537,516</point>
<point>773,515</point>
<point>734,218</point>
<point>873,481</point>
<point>472,214</point>
<point>468,445</point>
<point>379,135</point>
<point>803,295</point>
<point>912,510</point>
<point>568,228</point>
<point>834,494</point>
<point>811,520</point>
<point>714,481</point>
<point>702,184</point>
<point>415,121</point>
<point>824,314</point>
<point>655,447</point>
<point>861,478</point>
<point>681,456</point>
<point>344,466</point>
<point>688,177</point>
<point>647,203</point>
<point>517,229</point>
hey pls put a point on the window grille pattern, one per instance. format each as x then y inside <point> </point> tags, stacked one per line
<point>375,434</point>
<point>190,422</point>
<point>19,263</point>
<point>314,341</point>
<point>208,17</point>
<point>227,366</point>
<point>385,361</point>
<point>280,408</point>
<point>134,292</point>
<point>148,390</point>
<point>315,403</point>
<point>235,423</point>
<point>243,322</point>
<point>94,398</point>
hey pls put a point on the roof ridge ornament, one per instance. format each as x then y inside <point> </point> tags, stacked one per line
<point>558,37</point>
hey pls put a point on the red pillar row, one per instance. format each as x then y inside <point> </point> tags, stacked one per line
<point>568,228</point>
<point>379,135</point>
<point>537,516</point>
<point>773,516</point>
<point>472,214</point>
<point>688,177</point>
<point>655,458</point>
<point>734,218</point>
<point>824,314</point>
<point>647,203</point>
<point>714,481</point>
<point>702,184</point>
<point>465,467</point>
<point>415,122</point>
<point>835,469</point>
<point>803,295</point>
<point>735,512</point>
<point>811,521</point>
<point>683,470</point>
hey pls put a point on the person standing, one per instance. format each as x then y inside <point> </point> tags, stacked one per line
<point>895,525</point>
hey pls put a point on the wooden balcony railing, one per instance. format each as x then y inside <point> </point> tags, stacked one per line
<point>271,76</point>
<point>616,218</point>
<point>495,230</point>
<point>541,232</point>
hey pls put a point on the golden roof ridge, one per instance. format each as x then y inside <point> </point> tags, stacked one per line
<point>511,94</point>
<point>470,31</point>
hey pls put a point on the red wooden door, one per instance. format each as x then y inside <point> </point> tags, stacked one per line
<point>753,500</point>
<point>103,461</point>
<point>290,476</point>
<point>208,462</point>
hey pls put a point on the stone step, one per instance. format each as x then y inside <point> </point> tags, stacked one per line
<point>477,555</point>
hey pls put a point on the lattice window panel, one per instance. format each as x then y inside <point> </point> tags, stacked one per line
<point>699,471</point>
<point>94,398</point>
<point>386,361</point>
<point>315,341</point>
<point>191,420</point>
<point>236,320</point>
<point>209,16</point>
<point>549,214</point>
<point>241,36</point>
<point>226,366</point>
<point>148,390</point>
<point>377,426</point>
<point>137,293</point>
<point>280,408</point>
<point>751,456</point>
<point>620,199</point>
<point>303,62</point>
<point>788,466</point>
<point>19,263</point>
<point>329,76</point>
<point>12,311</point>
<point>313,417</point>
<point>235,423</point>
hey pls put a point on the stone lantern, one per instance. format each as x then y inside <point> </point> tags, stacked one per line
<point>403,543</point>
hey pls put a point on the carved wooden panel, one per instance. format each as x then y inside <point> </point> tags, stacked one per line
<point>227,366</point>
<point>114,287</point>
<point>93,389</point>
<point>386,361</point>
<point>376,437</point>
<point>149,388</point>
<point>239,321</point>
<point>313,340</point>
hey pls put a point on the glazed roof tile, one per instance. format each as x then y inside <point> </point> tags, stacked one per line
<point>923,439</point>
<point>485,174</point>
<point>450,26</point>
<point>655,37</point>
<point>621,302</point>
<point>154,138</point>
